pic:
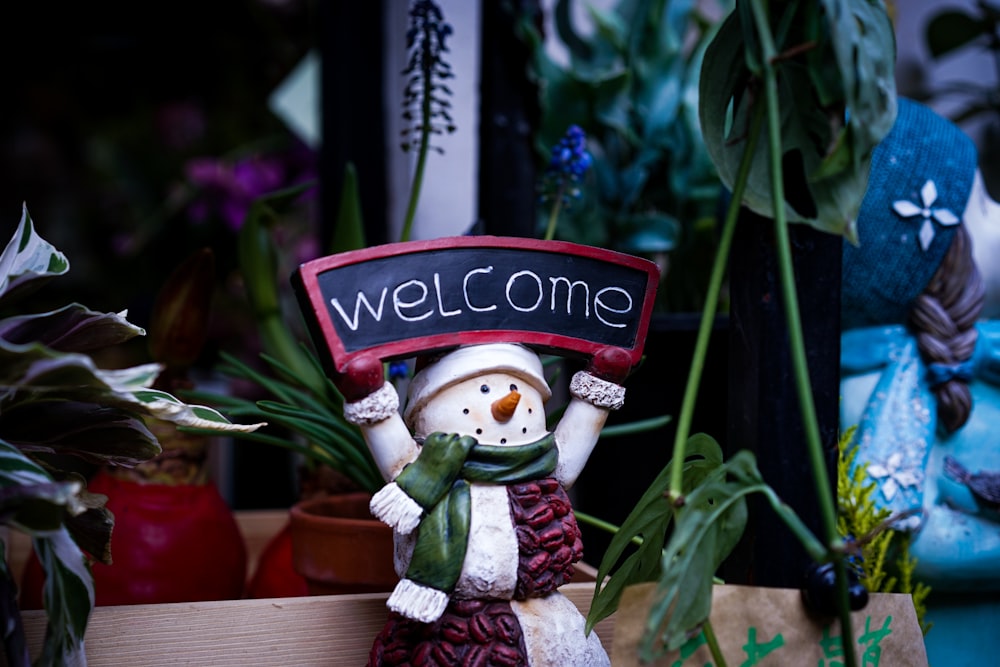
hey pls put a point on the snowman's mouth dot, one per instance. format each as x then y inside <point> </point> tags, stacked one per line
<point>503,441</point>
<point>465,411</point>
<point>524,430</point>
<point>479,431</point>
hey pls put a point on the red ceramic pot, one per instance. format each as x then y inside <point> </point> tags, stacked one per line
<point>170,543</point>
<point>275,575</point>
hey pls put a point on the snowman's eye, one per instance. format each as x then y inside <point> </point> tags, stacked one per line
<point>513,387</point>
<point>485,389</point>
<point>479,431</point>
<point>465,411</point>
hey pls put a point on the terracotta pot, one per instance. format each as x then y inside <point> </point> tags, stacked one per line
<point>340,548</point>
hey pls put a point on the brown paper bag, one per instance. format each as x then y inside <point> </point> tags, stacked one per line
<point>770,626</point>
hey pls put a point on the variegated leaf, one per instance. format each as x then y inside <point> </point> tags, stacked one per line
<point>68,596</point>
<point>164,406</point>
<point>28,261</point>
<point>72,328</point>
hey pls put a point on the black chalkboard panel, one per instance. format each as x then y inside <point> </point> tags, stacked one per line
<point>401,299</point>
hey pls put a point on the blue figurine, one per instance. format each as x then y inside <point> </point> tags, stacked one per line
<point>920,369</point>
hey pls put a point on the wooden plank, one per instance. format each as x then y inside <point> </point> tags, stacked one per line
<point>326,630</point>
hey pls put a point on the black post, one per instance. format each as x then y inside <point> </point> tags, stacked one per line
<point>351,45</point>
<point>764,412</point>
<point>508,122</point>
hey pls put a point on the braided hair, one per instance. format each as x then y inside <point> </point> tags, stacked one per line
<point>944,317</point>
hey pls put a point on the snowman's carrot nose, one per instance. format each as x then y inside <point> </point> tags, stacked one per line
<point>503,408</point>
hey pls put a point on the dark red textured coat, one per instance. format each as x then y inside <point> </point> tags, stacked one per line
<point>486,632</point>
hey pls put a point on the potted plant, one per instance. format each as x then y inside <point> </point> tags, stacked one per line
<point>818,94</point>
<point>306,416</point>
<point>300,399</point>
<point>61,410</point>
<point>179,540</point>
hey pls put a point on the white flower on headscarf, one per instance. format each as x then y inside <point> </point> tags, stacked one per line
<point>928,195</point>
<point>893,476</point>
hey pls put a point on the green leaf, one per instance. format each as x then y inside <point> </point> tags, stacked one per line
<point>826,146</point>
<point>648,523</point>
<point>14,642</point>
<point>169,408</point>
<point>562,18</point>
<point>349,230</point>
<point>323,435</point>
<point>706,530</point>
<point>33,503</point>
<point>259,266</point>
<point>93,432</point>
<point>92,528</point>
<point>610,26</point>
<point>37,373</point>
<point>28,262</point>
<point>950,30</point>
<point>30,500</point>
<point>651,232</point>
<point>68,595</point>
<point>864,44</point>
<point>633,427</point>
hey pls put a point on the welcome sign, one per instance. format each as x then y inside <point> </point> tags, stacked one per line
<point>402,299</point>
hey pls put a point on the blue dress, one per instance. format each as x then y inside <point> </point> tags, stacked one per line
<point>956,535</point>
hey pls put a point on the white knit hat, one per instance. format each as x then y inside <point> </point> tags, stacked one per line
<point>468,362</point>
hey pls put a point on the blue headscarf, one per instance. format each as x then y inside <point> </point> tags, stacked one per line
<point>921,177</point>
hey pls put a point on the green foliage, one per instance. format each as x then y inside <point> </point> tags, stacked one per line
<point>750,67</point>
<point>303,406</point>
<point>58,402</point>
<point>632,87</point>
<point>955,29</point>
<point>886,563</point>
<point>837,99</point>
<point>647,524</point>
<point>310,418</point>
<point>682,545</point>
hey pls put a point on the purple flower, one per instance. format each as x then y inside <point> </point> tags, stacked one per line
<point>228,189</point>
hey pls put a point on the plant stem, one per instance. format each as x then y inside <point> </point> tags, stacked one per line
<point>601,524</point>
<point>814,445</point>
<point>708,313</point>
<point>550,230</point>
<point>713,644</point>
<point>425,139</point>
<point>418,179</point>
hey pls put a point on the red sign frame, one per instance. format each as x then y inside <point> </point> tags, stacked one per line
<point>594,263</point>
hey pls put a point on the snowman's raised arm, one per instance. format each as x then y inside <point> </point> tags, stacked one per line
<point>372,404</point>
<point>595,392</point>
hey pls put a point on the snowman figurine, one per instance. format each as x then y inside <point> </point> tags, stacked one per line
<point>484,531</point>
